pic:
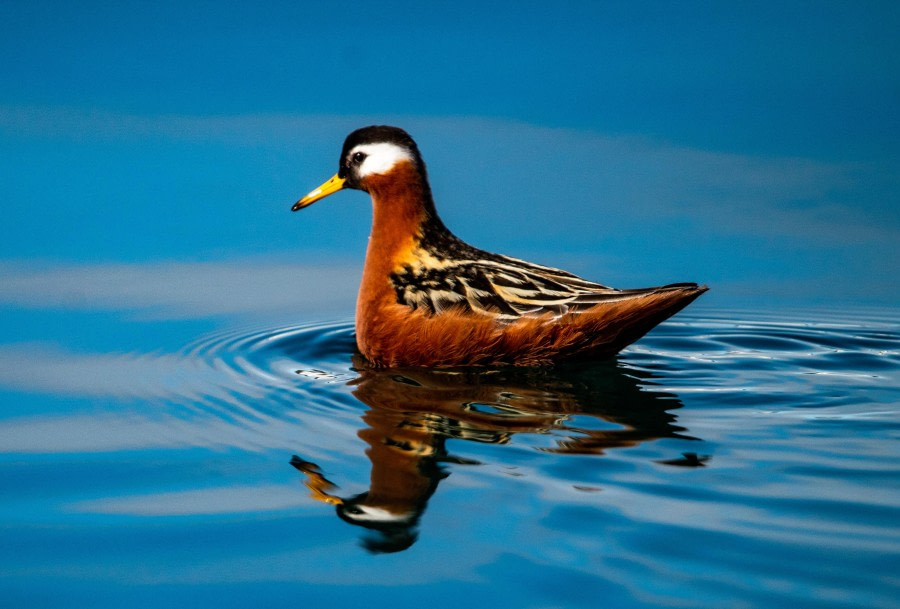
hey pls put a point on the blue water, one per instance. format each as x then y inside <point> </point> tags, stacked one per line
<point>728,459</point>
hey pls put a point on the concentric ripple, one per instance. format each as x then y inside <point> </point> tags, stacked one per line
<point>264,370</point>
<point>768,362</point>
<point>270,356</point>
<point>817,362</point>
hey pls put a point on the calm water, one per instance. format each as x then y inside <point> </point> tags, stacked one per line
<point>736,459</point>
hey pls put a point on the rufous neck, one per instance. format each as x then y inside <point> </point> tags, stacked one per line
<point>402,209</point>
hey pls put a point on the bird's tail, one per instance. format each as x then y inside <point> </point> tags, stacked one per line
<point>617,323</point>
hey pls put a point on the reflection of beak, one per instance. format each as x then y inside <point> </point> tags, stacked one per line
<point>318,484</point>
<point>330,187</point>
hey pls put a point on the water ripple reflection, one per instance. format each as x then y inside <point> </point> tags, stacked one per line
<point>405,418</point>
<point>758,451</point>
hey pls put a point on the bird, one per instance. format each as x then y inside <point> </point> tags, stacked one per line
<point>429,299</point>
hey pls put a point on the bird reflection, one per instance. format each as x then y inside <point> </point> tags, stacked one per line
<point>412,413</point>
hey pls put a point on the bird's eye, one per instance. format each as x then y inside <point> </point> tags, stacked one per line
<point>359,157</point>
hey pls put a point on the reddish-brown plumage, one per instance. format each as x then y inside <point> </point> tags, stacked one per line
<point>397,336</point>
<point>397,217</point>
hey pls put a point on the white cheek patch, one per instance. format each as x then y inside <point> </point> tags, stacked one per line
<point>380,158</point>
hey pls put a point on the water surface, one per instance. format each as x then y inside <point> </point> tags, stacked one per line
<point>730,458</point>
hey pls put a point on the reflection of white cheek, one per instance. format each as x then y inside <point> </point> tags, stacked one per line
<point>368,513</point>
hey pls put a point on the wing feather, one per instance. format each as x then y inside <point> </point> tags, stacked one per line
<point>501,286</point>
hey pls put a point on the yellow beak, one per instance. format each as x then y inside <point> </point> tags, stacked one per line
<point>328,188</point>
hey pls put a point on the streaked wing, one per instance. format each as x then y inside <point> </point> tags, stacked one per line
<point>500,286</point>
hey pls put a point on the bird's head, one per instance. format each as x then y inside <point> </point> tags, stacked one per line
<point>367,152</point>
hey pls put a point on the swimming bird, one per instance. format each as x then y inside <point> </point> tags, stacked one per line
<point>428,299</point>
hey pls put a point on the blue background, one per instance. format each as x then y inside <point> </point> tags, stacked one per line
<point>752,147</point>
